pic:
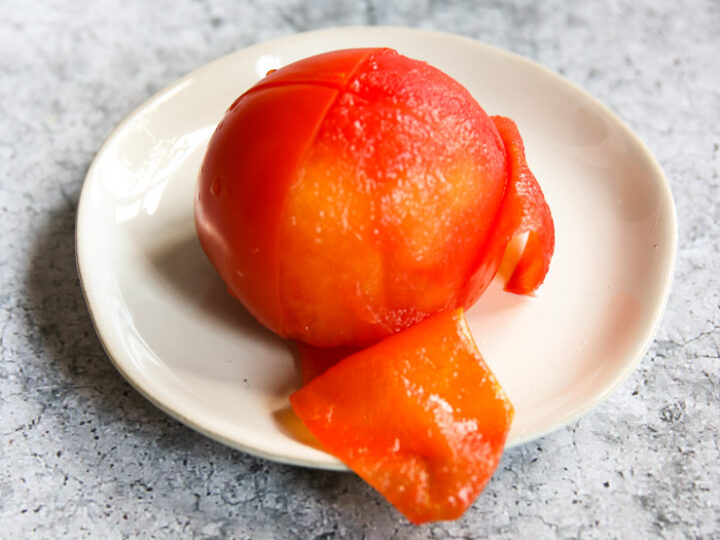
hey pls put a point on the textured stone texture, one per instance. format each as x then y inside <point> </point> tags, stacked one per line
<point>82,454</point>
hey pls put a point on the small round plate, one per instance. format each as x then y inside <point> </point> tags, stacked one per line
<point>167,323</point>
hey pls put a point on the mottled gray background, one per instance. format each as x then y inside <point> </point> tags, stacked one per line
<point>82,454</point>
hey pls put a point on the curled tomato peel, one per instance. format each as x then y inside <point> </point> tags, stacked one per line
<point>522,210</point>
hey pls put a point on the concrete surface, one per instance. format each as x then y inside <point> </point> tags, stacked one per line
<point>83,455</point>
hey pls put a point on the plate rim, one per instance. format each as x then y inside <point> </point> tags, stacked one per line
<point>333,463</point>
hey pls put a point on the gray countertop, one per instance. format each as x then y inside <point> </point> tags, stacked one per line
<point>82,454</point>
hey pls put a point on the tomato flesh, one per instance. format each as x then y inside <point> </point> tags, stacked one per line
<point>237,210</point>
<point>391,204</point>
<point>352,194</point>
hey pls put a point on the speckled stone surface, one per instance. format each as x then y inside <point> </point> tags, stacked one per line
<point>82,454</point>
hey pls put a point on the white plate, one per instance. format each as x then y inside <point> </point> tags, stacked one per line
<point>167,323</point>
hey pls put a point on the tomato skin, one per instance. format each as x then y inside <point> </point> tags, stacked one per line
<point>523,210</point>
<point>237,209</point>
<point>334,69</point>
<point>249,165</point>
<point>419,416</point>
<point>530,213</point>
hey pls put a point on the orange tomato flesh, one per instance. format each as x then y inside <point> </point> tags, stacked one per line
<point>390,206</point>
<point>419,416</point>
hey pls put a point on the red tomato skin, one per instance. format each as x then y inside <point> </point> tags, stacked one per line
<point>237,207</point>
<point>334,69</point>
<point>249,165</point>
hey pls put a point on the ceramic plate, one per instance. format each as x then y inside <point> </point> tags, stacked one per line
<point>171,329</point>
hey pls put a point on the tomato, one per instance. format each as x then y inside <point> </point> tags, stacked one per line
<point>315,361</point>
<point>353,194</point>
<point>419,416</point>
<point>357,201</point>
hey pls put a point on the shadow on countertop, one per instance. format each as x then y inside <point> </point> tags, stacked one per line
<point>64,330</point>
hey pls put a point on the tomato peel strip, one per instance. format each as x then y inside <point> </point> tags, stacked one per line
<point>419,416</point>
<point>522,210</point>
